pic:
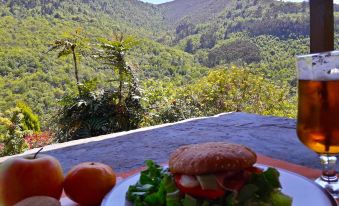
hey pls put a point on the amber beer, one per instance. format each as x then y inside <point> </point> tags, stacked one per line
<point>318,115</point>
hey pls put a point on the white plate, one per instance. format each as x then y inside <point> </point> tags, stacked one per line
<point>303,191</point>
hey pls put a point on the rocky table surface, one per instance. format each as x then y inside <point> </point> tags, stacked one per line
<point>271,136</point>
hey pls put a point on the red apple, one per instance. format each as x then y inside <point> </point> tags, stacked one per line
<point>34,175</point>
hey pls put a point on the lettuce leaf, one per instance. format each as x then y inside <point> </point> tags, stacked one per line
<point>266,183</point>
<point>149,189</point>
<point>156,187</point>
<point>263,189</point>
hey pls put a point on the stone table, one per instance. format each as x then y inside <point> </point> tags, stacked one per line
<point>271,136</point>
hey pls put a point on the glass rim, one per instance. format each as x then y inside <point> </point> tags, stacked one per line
<point>333,53</point>
<point>322,66</point>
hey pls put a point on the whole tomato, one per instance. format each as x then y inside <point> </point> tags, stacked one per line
<point>33,175</point>
<point>89,182</point>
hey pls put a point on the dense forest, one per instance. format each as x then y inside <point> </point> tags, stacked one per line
<point>76,69</point>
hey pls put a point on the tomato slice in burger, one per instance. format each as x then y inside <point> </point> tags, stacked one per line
<point>198,191</point>
<point>235,184</point>
<point>237,180</point>
<point>255,170</point>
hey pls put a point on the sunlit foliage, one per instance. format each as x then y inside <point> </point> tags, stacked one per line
<point>15,124</point>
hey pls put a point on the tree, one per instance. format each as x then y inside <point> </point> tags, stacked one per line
<point>184,29</point>
<point>189,46</point>
<point>30,120</point>
<point>238,89</point>
<point>238,51</point>
<point>12,139</point>
<point>222,90</point>
<point>208,39</point>
<point>112,53</point>
<point>15,124</point>
<point>102,111</point>
<point>69,46</point>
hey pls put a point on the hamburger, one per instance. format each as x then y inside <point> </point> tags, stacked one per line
<point>224,172</point>
<point>208,174</point>
<point>209,170</point>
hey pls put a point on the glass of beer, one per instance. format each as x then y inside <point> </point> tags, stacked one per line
<point>318,112</point>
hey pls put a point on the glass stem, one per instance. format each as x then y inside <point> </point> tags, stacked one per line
<point>328,164</point>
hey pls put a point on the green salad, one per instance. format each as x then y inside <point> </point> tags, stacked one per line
<point>157,187</point>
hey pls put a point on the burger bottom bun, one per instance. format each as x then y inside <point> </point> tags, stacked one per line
<point>211,157</point>
<point>39,201</point>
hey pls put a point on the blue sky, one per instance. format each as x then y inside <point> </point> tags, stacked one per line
<point>156,1</point>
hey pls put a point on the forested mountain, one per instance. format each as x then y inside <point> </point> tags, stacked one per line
<point>126,14</point>
<point>182,48</point>
<point>29,27</point>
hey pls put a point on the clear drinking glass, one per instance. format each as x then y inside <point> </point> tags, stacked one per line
<point>318,112</point>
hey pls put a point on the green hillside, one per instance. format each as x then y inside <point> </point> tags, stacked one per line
<point>182,48</point>
<point>29,73</point>
<point>126,14</point>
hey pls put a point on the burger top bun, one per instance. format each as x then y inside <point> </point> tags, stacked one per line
<point>39,201</point>
<point>212,157</point>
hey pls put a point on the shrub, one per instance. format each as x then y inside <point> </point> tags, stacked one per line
<point>222,90</point>
<point>2,147</point>
<point>15,124</point>
<point>238,89</point>
<point>12,133</point>
<point>38,139</point>
<point>30,120</point>
<point>97,112</point>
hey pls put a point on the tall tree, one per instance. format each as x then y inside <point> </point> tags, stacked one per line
<point>69,45</point>
<point>112,52</point>
<point>103,111</point>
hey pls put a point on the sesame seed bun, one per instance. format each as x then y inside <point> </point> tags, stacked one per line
<point>212,157</point>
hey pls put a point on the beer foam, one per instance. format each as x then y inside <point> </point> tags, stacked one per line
<point>320,66</point>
